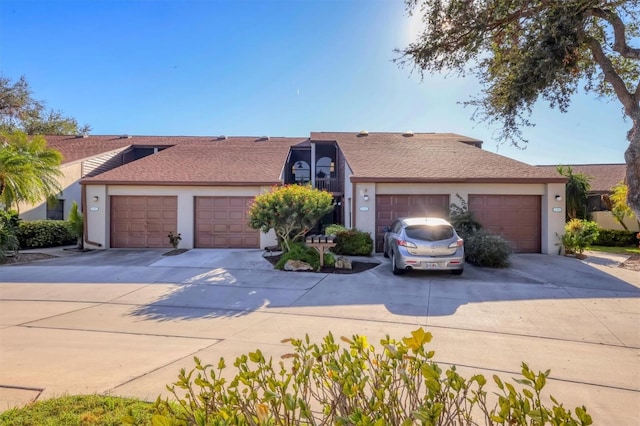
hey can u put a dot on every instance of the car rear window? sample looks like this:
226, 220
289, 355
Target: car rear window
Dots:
429, 233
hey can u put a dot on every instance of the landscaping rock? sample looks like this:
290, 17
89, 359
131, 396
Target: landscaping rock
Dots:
297, 265
343, 263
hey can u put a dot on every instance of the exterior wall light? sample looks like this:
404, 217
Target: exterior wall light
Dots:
558, 198
96, 198
366, 197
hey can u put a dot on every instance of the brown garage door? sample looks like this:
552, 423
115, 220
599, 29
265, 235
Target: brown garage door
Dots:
221, 222
142, 222
515, 217
391, 207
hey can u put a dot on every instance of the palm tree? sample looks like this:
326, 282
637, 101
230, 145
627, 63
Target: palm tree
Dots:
578, 187
29, 171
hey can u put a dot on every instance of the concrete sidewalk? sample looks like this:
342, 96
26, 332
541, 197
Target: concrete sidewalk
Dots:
125, 322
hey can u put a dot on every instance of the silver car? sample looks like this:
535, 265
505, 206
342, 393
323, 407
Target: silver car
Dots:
423, 243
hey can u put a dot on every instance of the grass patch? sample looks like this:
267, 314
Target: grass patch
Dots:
80, 410
629, 250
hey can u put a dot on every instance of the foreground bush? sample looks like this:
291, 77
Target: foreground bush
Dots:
615, 238
44, 233
578, 235
324, 383
299, 251
351, 242
462, 219
485, 249
8, 233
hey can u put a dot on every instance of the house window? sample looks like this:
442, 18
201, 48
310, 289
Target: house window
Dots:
595, 204
301, 171
324, 167
55, 209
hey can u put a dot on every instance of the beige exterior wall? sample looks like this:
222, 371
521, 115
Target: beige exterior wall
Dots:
552, 221
98, 211
71, 192
606, 221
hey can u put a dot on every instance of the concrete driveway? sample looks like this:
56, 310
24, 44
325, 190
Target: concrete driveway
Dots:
125, 321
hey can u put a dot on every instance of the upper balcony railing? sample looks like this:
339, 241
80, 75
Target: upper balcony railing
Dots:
328, 184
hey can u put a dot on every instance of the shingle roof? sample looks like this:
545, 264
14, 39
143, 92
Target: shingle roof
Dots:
429, 157
75, 148
205, 161
602, 176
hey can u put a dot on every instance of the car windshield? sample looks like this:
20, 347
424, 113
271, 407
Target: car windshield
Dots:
429, 233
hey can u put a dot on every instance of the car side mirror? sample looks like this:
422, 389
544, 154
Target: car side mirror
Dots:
386, 229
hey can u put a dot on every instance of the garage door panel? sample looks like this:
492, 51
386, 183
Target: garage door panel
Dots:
221, 222
142, 221
390, 207
517, 218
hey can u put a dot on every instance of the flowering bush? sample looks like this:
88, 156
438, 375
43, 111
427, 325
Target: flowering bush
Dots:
291, 211
326, 384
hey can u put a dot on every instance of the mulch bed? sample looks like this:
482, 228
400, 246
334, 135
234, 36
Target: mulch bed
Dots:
25, 258
356, 266
175, 252
633, 263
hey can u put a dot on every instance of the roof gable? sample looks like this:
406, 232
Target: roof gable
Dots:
602, 177
429, 157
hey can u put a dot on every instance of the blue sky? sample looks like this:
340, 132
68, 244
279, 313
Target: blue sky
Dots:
252, 68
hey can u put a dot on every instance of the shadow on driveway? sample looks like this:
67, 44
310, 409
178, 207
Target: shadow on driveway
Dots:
234, 292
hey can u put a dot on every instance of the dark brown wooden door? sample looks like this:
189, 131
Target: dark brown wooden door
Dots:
142, 221
517, 218
222, 222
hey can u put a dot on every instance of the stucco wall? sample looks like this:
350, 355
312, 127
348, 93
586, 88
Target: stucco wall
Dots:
606, 221
552, 221
98, 218
71, 192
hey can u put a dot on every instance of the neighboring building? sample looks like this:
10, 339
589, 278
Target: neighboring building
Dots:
143, 187
602, 178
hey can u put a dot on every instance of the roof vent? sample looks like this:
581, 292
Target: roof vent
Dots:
363, 133
82, 135
408, 134
125, 136
264, 138
222, 137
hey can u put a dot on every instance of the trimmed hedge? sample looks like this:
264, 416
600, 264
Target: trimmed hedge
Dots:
44, 233
351, 242
486, 249
615, 238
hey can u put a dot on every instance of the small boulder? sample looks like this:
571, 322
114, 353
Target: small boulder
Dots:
343, 263
297, 265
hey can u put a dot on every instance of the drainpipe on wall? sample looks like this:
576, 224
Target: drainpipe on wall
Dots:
83, 201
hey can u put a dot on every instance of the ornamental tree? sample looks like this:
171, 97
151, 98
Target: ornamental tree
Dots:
29, 170
291, 211
577, 192
526, 50
20, 111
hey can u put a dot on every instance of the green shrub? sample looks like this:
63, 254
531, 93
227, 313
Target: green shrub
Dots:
326, 383
578, 235
352, 242
485, 249
299, 251
329, 259
8, 233
463, 220
334, 229
44, 233
76, 224
615, 238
